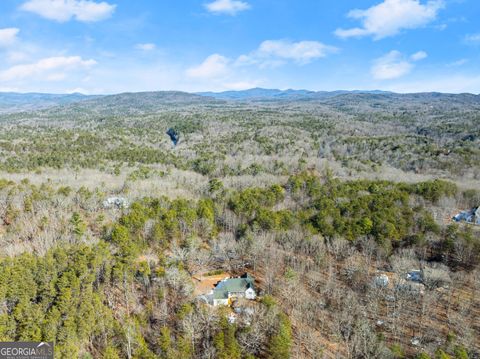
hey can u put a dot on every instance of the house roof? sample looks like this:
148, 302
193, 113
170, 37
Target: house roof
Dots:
470, 216
232, 285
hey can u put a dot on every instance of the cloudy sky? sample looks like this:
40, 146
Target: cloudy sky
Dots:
110, 46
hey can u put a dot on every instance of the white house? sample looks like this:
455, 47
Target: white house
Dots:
232, 288
115, 202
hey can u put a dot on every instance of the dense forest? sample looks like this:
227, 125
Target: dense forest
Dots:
329, 203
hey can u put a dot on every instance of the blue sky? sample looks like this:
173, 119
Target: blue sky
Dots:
111, 46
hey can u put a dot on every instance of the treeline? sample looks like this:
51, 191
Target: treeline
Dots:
353, 210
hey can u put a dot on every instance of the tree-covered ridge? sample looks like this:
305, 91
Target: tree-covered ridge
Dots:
121, 286
421, 134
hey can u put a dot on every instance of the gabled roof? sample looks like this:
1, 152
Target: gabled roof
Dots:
232, 285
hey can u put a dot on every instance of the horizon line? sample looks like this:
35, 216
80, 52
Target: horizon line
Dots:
379, 91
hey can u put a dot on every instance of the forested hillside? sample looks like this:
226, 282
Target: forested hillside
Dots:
333, 204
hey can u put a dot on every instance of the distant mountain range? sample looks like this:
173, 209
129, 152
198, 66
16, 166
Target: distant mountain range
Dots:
149, 102
141, 102
14, 102
274, 94
119, 103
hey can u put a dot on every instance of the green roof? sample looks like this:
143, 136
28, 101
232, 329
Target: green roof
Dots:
232, 285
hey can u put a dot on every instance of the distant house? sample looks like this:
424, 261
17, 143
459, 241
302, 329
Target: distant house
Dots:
471, 216
232, 288
115, 202
415, 275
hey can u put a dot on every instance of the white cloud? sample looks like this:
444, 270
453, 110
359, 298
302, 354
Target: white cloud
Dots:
300, 52
473, 38
420, 55
457, 63
270, 53
219, 73
8, 36
229, 7
65, 10
214, 66
390, 17
277, 52
394, 65
145, 47
391, 66
49, 69
226, 73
